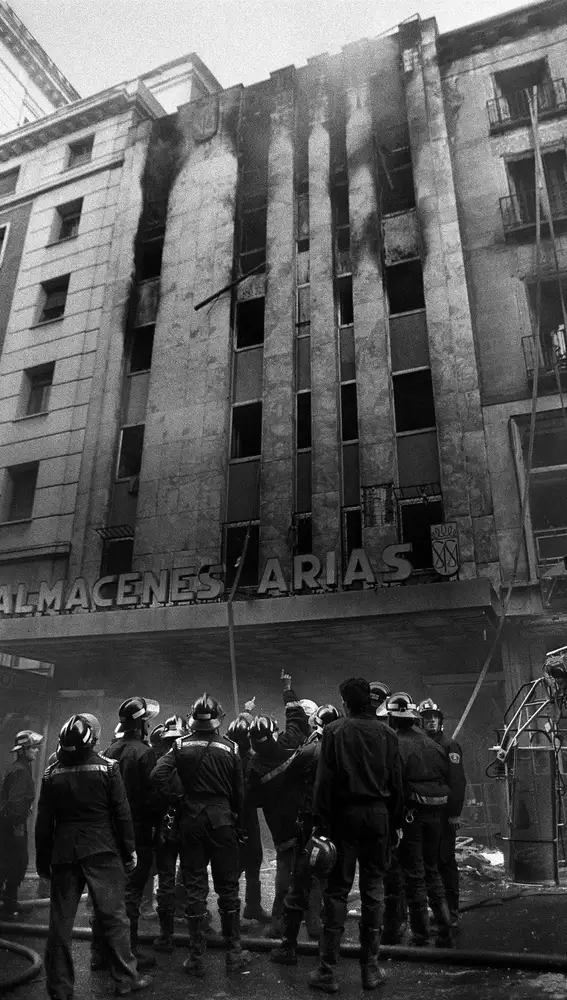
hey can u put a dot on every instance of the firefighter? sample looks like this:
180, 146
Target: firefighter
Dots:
379, 694
16, 800
251, 854
426, 792
203, 774
357, 802
84, 836
301, 897
167, 841
137, 759
432, 719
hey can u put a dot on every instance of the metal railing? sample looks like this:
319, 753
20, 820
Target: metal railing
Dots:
519, 210
548, 357
515, 108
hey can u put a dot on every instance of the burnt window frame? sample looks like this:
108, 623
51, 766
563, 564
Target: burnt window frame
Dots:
138, 334
233, 448
131, 475
421, 428
119, 545
391, 269
229, 574
241, 306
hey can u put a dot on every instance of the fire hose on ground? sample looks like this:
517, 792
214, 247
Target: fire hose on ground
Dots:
531, 961
26, 975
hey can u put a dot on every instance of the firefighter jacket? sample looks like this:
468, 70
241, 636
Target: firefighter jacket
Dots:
203, 771
359, 764
457, 779
17, 794
136, 760
302, 771
425, 769
297, 728
83, 810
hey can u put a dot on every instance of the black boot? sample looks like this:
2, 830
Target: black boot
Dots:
253, 909
143, 960
286, 954
371, 973
195, 964
453, 904
419, 924
323, 978
236, 957
165, 940
444, 936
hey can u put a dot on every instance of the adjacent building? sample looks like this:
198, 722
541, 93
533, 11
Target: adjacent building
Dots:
277, 338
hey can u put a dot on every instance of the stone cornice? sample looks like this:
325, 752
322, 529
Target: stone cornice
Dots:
502, 29
27, 50
83, 114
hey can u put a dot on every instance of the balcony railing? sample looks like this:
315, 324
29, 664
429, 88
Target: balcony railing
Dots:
507, 112
550, 357
519, 210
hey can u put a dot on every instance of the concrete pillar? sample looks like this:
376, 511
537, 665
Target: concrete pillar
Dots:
464, 467
324, 361
278, 446
374, 395
184, 470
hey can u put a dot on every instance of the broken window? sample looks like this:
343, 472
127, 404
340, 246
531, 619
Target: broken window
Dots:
53, 298
515, 87
253, 234
395, 177
303, 420
404, 284
521, 174
250, 322
150, 259
415, 519
20, 485
548, 484
341, 217
413, 400
246, 430
352, 531
345, 306
68, 218
39, 382
142, 349
117, 554
234, 539
303, 531
80, 152
303, 218
130, 453
349, 412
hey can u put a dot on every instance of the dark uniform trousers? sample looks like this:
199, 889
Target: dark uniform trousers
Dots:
361, 835
167, 854
418, 854
304, 891
251, 857
448, 868
136, 881
103, 874
13, 860
204, 840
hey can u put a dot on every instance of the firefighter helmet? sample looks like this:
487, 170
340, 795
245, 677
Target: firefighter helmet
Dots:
174, 728
76, 735
156, 736
431, 716
322, 855
308, 706
26, 739
133, 711
401, 706
379, 694
94, 724
263, 729
324, 715
239, 733
206, 714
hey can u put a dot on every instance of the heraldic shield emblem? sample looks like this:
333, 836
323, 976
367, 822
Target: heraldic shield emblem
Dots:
206, 118
445, 548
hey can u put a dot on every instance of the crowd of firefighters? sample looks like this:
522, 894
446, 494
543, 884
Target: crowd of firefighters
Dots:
377, 782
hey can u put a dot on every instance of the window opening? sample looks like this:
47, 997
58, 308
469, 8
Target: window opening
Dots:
250, 322
8, 181
344, 301
69, 219
151, 259
40, 380
352, 531
80, 152
142, 349
395, 175
404, 284
4, 230
303, 309
131, 447
246, 430
117, 555
304, 420
303, 534
21, 486
513, 84
303, 363
54, 295
413, 401
415, 518
349, 412
234, 537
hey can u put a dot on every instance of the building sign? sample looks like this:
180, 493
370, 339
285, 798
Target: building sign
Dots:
445, 548
205, 583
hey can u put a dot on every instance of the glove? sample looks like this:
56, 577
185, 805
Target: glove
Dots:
249, 706
455, 821
286, 678
131, 864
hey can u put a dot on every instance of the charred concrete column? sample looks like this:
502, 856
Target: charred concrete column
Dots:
375, 416
326, 490
276, 503
183, 476
464, 467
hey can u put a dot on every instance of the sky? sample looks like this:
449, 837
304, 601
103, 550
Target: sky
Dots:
98, 43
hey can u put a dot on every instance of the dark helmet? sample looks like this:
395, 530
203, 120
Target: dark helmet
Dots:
239, 733
156, 736
263, 729
206, 714
174, 728
26, 739
133, 711
76, 735
379, 694
431, 715
324, 715
322, 855
94, 724
401, 706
